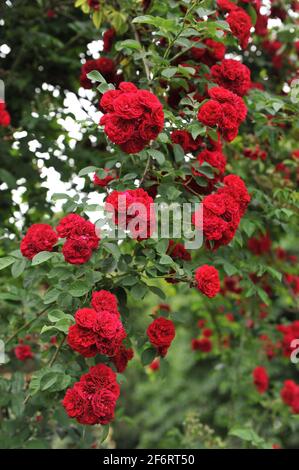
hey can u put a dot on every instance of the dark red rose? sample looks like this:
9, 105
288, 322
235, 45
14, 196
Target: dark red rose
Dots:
260, 379
39, 237
161, 333
207, 280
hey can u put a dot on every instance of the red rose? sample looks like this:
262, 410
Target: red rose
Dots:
133, 209
104, 65
185, 140
134, 117
109, 333
104, 300
290, 395
121, 359
210, 113
240, 25
202, 344
103, 182
178, 251
85, 317
260, 245
233, 75
161, 333
82, 340
207, 280
4, 115
92, 400
39, 237
260, 379
108, 38
23, 352
76, 251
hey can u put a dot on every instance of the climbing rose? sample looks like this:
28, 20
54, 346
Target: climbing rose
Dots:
103, 182
39, 237
178, 251
185, 140
4, 115
133, 117
240, 25
104, 300
226, 110
260, 379
133, 208
92, 400
104, 65
121, 359
207, 280
94, 332
73, 226
202, 344
76, 251
290, 395
233, 75
161, 333
108, 38
23, 352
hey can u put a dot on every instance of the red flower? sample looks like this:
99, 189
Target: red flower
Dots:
178, 251
202, 344
4, 115
92, 400
260, 245
74, 226
94, 332
134, 117
108, 38
216, 159
207, 332
104, 65
39, 237
161, 333
104, 300
94, 4
207, 280
240, 25
290, 395
260, 379
122, 358
76, 251
133, 209
103, 182
226, 110
155, 364
233, 75
23, 352
185, 140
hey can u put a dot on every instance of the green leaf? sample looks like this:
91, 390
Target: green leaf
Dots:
139, 290
51, 295
157, 155
18, 267
6, 261
41, 257
95, 76
88, 169
129, 44
148, 355
169, 72
79, 288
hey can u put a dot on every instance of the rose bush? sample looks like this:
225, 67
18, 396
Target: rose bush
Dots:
123, 104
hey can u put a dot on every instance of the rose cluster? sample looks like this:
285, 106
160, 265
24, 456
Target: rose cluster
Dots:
133, 210
290, 332
92, 400
4, 115
226, 110
223, 210
132, 117
80, 235
232, 75
161, 333
238, 20
260, 379
81, 238
98, 329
